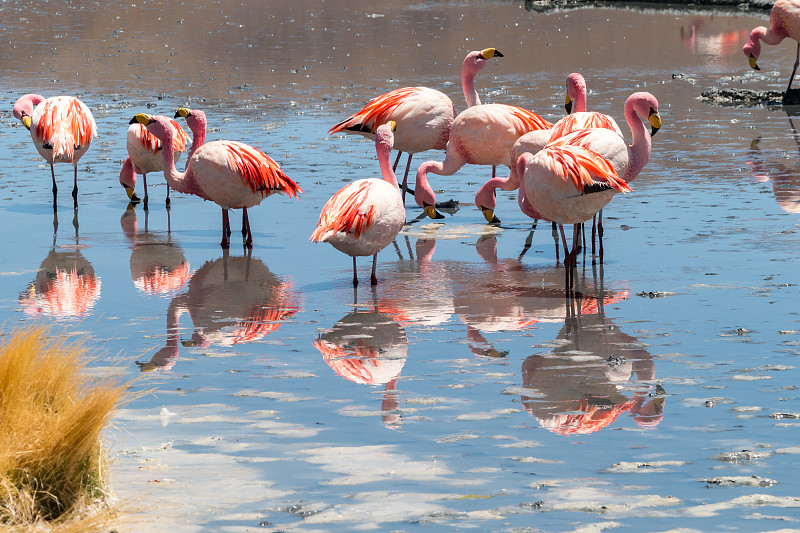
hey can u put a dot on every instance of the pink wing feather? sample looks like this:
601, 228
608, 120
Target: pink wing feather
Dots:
376, 112
258, 170
343, 212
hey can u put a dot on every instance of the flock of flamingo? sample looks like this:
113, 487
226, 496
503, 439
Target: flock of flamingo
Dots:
564, 172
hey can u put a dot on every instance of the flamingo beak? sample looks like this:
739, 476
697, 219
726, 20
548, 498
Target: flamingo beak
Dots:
432, 212
132, 195
182, 112
26, 121
568, 105
753, 64
392, 125
141, 118
655, 121
489, 53
491, 218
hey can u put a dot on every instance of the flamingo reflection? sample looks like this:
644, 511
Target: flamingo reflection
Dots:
368, 347
584, 383
785, 179
700, 38
158, 265
66, 285
230, 301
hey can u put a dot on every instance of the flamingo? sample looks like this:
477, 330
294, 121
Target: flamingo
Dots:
423, 115
577, 118
62, 128
363, 217
575, 176
143, 157
231, 174
784, 21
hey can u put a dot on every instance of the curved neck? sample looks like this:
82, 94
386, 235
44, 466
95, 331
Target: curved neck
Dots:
198, 128
468, 85
384, 150
174, 178
579, 104
423, 193
25, 105
127, 176
640, 146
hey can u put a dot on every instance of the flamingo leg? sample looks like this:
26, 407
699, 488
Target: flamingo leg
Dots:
245, 222
226, 230
55, 187
567, 259
246, 219
144, 180
405, 177
397, 160
794, 70
528, 241
600, 233
594, 231
168, 200
75, 188
355, 274
555, 240
373, 278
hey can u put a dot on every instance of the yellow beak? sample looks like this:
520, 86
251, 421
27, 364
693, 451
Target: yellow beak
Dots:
655, 121
490, 216
753, 64
432, 212
182, 112
488, 53
26, 121
141, 118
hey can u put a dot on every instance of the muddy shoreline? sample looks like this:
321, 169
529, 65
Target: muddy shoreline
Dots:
752, 6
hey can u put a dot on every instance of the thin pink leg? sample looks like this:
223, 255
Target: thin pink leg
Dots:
246, 220
355, 273
374, 279
226, 230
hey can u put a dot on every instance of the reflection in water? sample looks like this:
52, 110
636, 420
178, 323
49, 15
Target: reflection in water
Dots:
581, 383
702, 38
158, 265
66, 286
369, 348
231, 301
785, 180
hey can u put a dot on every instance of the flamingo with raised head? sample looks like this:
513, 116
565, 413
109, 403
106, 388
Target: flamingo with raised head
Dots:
784, 21
423, 115
363, 217
577, 118
144, 157
575, 176
231, 174
62, 128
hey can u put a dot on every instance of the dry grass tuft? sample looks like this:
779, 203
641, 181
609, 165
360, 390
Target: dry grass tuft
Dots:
51, 415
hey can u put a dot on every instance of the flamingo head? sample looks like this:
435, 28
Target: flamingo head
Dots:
646, 105
576, 93
486, 201
384, 134
160, 126
423, 194
23, 108
752, 48
195, 119
476, 60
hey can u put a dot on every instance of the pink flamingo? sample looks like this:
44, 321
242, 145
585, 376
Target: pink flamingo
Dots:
575, 176
784, 21
533, 141
62, 128
423, 115
231, 174
144, 157
363, 217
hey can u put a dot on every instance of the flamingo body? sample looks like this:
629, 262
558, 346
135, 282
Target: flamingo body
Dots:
144, 155
784, 21
363, 217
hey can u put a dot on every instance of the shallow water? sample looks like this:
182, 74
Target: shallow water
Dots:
465, 391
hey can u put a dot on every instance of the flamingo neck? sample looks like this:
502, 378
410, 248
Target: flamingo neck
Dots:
175, 179
579, 103
127, 176
384, 150
423, 193
468, 85
25, 104
639, 149
198, 127
485, 198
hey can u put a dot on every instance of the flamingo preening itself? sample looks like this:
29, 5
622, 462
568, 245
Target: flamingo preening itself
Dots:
577, 118
784, 21
423, 115
363, 217
144, 156
62, 128
231, 174
575, 176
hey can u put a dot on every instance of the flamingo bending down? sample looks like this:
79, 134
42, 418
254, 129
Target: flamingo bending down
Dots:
231, 174
363, 217
574, 176
784, 21
532, 142
62, 128
423, 115
144, 157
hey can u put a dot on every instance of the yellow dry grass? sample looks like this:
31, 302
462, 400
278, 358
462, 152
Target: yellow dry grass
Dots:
51, 415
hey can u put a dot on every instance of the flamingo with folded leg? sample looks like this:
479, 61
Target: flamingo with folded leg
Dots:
423, 115
62, 129
231, 174
363, 217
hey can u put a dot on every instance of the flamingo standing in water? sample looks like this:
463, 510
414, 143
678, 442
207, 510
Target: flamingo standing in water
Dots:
144, 157
784, 21
231, 174
62, 128
363, 217
423, 115
575, 176
577, 118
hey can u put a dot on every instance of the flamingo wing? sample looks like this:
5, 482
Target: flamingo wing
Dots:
64, 123
151, 143
347, 211
525, 120
579, 121
587, 170
376, 112
258, 170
